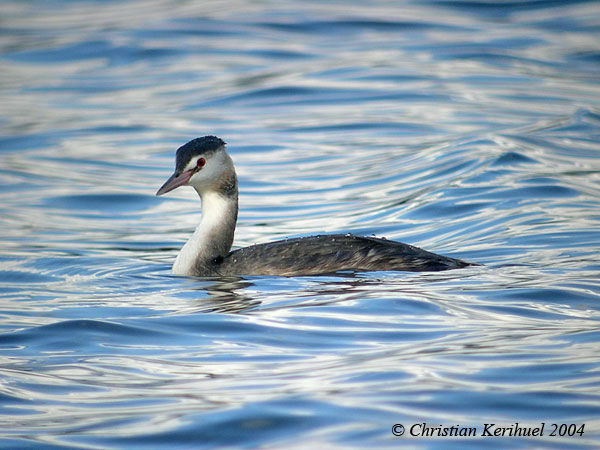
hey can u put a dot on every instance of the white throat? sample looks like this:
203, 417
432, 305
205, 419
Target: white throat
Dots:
213, 235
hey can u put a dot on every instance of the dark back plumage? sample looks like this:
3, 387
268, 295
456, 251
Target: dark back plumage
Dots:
330, 253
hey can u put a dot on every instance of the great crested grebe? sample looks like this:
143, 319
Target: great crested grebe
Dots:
204, 164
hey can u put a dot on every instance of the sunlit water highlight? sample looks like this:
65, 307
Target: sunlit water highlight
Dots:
467, 128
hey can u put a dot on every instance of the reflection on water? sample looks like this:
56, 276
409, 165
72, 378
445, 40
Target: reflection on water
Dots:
468, 128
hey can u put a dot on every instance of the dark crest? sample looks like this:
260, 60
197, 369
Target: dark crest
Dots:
199, 146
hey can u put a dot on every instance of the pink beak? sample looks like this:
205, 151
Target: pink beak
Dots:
175, 181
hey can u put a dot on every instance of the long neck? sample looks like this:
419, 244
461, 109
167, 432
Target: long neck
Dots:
213, 236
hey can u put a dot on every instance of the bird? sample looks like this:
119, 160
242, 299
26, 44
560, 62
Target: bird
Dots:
204, 164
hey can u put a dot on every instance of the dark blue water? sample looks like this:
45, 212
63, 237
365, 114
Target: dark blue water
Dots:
471, 129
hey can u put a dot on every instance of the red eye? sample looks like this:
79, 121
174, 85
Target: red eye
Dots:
200, 163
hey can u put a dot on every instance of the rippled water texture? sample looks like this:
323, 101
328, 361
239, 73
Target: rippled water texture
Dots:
467, 128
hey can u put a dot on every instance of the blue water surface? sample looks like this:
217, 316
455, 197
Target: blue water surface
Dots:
471, 129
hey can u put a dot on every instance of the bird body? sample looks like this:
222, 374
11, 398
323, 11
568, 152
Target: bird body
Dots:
204, 164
